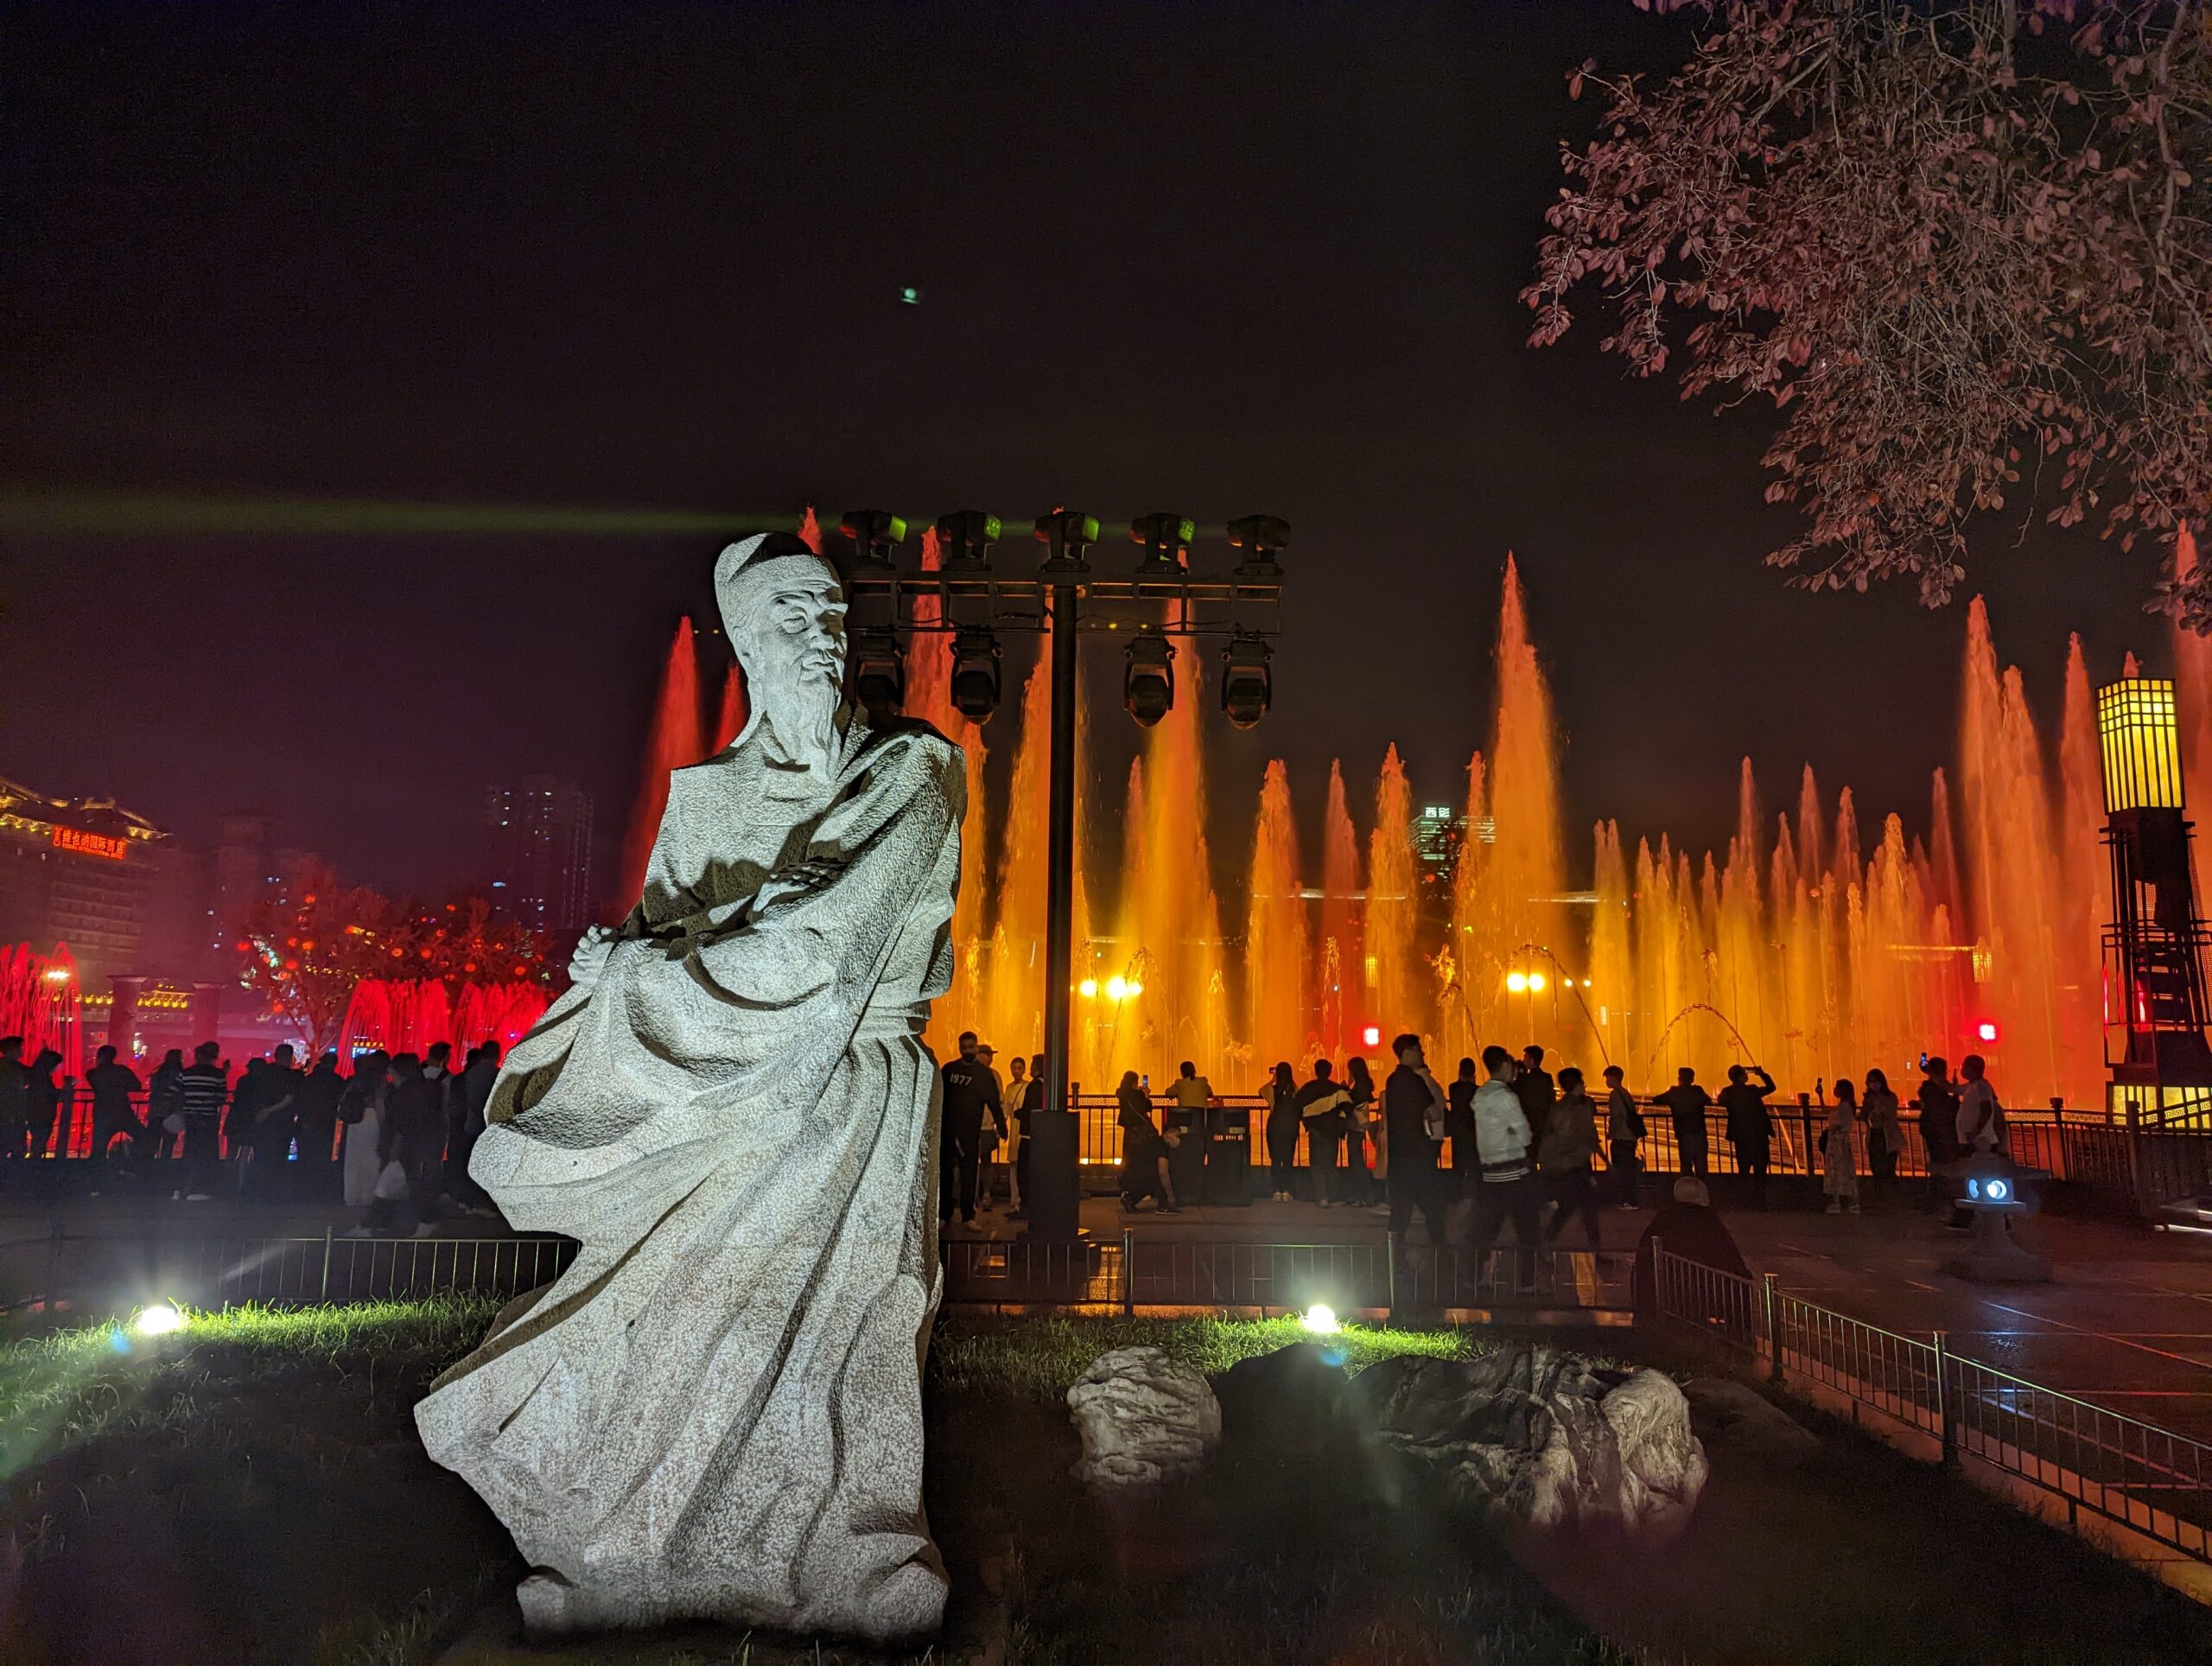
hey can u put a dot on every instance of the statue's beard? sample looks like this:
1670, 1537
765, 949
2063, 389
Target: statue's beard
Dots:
799, 703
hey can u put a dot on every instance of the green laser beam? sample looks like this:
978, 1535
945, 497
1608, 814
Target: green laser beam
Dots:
57, 513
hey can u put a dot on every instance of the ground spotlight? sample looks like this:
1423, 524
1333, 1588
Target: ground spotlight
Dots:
976, 674
160, 1319
878, 671
1247, 684
874, 533
1259, 536
1167, 540
965, 537
1321, 1320
1149, 686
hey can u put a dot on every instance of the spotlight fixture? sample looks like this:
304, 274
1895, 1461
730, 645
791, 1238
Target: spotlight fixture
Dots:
874, 533
1321, 1320
1260, 536
966, 537
1247, 684
1167, 540
1149, 686
976, 674
878, 671
1067, 533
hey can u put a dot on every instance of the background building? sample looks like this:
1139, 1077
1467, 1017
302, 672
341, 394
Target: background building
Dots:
537, 853
83, 872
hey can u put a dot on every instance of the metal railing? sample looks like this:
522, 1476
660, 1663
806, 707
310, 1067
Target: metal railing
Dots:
62, 1271
2150, 1480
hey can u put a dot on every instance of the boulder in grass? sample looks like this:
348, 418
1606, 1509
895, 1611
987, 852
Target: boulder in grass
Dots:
1286, 1400
1538, 1436
1733, 1419
1144, 1419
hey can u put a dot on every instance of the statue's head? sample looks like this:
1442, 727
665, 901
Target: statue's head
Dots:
784, 610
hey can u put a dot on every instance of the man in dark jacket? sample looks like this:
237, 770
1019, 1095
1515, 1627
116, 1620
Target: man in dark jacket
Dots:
1459, 1128
15, 1097
414, 1136
1320, 1106
1412, 1119
46, 1097
1686, 1104
1534, 1087
971, 1092
1939, 1128
165, 1099
1751, 1125
318, 1094
112, 1085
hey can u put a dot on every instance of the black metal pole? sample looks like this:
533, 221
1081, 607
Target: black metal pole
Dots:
1059, 849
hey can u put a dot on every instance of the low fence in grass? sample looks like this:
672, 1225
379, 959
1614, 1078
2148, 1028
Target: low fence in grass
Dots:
68, 1271
2150, 1481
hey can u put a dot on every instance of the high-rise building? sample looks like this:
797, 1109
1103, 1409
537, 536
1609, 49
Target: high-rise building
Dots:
537, 852
252, 863
82, 872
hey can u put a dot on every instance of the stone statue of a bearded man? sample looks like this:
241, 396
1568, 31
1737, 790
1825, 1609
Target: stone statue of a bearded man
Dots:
716, 1413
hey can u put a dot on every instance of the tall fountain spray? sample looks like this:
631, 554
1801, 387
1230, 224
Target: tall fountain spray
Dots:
1394, 994
729, 718
1340, 948
1276, 952
676, 741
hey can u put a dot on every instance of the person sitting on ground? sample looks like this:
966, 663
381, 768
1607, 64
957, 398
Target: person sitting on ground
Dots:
1688, 1228
1144, 1154
1686, 1102
1564, 1151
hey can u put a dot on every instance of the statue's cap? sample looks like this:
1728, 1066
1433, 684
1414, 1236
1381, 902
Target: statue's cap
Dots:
740, 561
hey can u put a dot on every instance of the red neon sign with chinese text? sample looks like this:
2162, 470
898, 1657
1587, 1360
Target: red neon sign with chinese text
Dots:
90, 844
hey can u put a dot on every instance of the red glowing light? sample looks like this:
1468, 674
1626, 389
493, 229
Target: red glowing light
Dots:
1372, 1036
1984, 1031
90, 844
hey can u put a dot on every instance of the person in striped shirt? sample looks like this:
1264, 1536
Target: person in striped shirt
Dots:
202, 1092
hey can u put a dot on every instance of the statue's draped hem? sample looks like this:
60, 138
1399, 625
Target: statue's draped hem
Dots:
715, 1412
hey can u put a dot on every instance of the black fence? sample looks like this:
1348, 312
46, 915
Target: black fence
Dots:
66, 1272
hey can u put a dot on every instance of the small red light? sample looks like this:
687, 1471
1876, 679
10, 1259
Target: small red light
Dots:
1986, 1031
1371, 1036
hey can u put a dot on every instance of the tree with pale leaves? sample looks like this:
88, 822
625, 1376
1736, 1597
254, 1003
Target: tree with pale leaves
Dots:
1965, 246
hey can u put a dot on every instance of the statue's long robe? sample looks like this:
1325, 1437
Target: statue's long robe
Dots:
716, 1411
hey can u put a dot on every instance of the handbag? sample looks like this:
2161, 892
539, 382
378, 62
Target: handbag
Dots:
391, 1183
173, 1123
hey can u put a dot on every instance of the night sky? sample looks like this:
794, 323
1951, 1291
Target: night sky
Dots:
651, 257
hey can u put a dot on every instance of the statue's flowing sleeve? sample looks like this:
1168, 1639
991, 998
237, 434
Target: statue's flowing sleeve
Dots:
737, 1010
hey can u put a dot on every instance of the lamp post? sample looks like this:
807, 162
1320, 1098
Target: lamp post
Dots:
980, 606
2155, 998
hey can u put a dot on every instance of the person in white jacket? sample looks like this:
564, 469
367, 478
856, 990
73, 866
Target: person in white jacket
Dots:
1509, 1187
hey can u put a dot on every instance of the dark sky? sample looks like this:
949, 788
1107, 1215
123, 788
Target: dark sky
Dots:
1212, 259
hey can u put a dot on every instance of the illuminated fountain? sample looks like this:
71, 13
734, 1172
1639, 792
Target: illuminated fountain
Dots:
1813, 944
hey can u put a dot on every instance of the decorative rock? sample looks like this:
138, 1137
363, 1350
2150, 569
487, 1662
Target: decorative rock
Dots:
1538, 1435
1288, 1399
1144, 1419
1731, 1417
716, 1412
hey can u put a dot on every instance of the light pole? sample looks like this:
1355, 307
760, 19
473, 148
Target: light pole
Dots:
979, 605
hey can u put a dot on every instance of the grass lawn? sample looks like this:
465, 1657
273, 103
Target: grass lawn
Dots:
251, 1489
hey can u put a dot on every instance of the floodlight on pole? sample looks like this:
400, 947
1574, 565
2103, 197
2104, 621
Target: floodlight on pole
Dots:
1247, 684
1148, 684
976, 674
874, 532
1262, 537
878, 671
966, 537
1167, 541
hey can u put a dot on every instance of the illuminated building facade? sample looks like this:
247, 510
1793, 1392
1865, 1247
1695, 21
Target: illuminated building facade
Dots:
537, 853
83, 872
